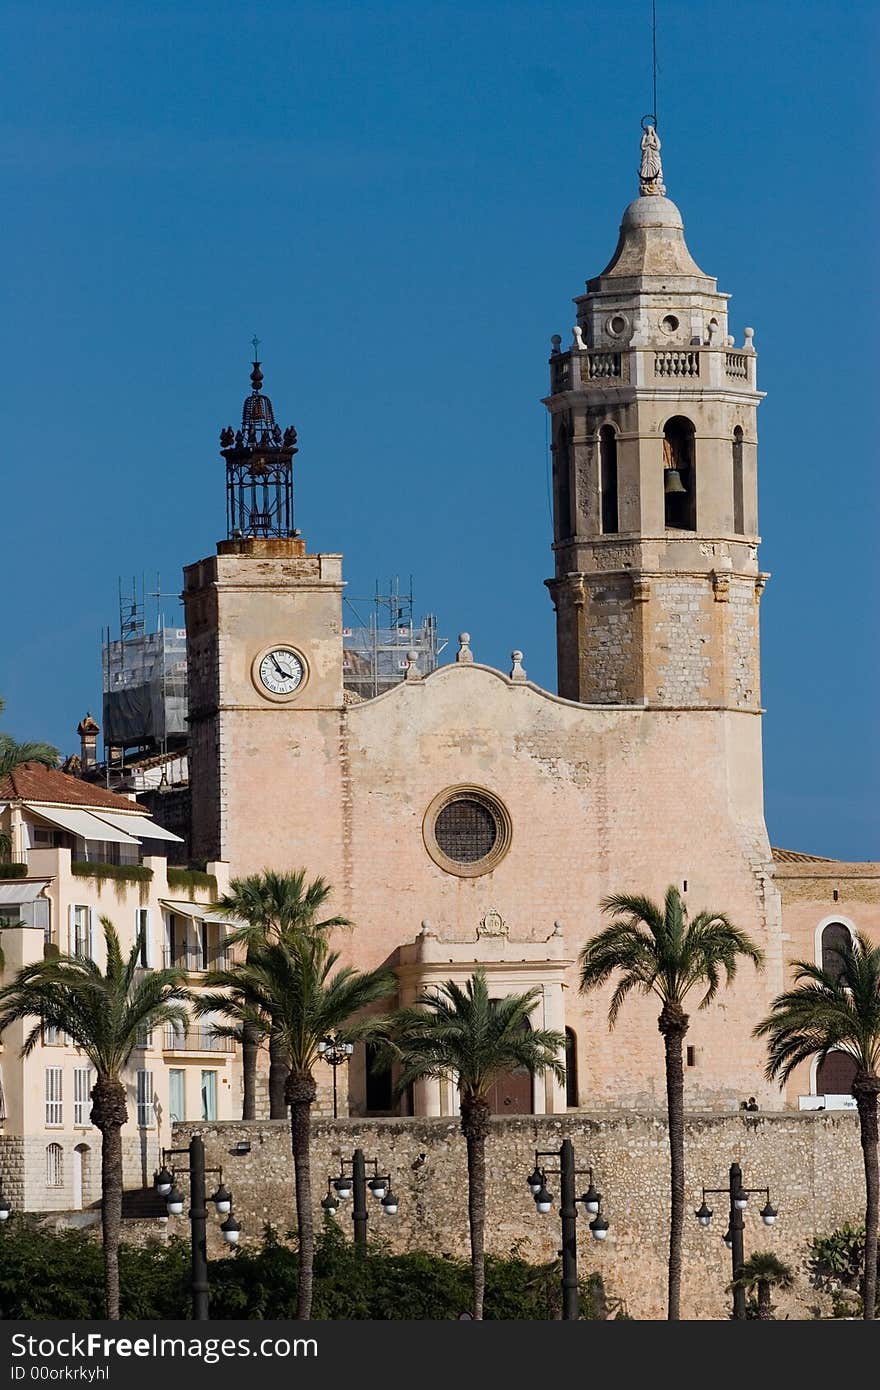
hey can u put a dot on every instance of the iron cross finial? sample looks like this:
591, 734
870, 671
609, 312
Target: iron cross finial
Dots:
256, 346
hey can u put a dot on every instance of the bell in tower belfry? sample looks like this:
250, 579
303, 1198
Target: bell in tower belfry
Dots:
653, 415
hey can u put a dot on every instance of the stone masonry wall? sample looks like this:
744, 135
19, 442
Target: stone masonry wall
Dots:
811, 1163
682, 635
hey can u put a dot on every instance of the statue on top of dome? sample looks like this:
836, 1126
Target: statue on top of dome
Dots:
651, 169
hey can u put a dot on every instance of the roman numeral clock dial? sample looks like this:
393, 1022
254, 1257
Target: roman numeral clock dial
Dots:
279, 672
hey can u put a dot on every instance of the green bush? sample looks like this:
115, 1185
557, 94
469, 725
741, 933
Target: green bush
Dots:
835, 1263
191, 879
59, 1274
128, 873
11, 870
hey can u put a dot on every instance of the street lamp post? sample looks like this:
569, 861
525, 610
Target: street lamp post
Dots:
198, 1213
591, 1200
334, 1052
734, 1235
340, 1188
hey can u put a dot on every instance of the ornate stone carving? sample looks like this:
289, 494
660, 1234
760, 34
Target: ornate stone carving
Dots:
517, 671
641, 589
721, 587
492, 924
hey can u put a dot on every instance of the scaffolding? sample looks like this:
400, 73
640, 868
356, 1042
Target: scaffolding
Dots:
144, 678
376, 646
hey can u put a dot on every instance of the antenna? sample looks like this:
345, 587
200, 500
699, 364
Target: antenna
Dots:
654, 58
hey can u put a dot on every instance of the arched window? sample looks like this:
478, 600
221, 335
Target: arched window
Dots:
679, 474
379, 1097
571, 1069
608, 480
562, 481
835, 940
739, 526
834, 1076
54, 1166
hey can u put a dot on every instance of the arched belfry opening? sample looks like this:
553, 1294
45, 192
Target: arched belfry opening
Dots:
562, 481
679, 474
738, 484
608, 508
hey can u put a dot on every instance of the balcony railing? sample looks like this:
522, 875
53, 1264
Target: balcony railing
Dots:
196, 1040
676, 362
601, 366
736, 365
194, 960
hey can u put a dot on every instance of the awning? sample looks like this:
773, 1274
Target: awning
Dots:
201, 912
82, 823
22, 890
136, 825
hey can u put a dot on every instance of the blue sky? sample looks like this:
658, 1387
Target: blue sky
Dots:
402, 200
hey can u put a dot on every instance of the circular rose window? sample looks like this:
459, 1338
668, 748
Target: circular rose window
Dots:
467, 831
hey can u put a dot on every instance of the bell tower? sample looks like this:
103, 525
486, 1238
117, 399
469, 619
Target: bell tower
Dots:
653, 413
264, 661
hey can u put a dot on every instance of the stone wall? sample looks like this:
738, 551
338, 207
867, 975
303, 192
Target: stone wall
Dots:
811, 1162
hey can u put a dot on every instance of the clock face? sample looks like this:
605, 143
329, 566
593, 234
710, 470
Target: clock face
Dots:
281, 671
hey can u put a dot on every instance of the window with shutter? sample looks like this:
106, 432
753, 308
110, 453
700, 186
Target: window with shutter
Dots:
142, 935
82, 1085
145, 1113
54, 1103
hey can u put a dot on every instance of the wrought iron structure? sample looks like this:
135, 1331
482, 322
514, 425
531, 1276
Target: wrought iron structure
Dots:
592, 1204
259, 468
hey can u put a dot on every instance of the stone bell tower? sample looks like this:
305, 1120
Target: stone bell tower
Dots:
264, 662
653, 412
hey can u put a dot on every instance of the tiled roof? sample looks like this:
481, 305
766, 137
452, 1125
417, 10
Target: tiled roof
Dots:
34, 782
794, 856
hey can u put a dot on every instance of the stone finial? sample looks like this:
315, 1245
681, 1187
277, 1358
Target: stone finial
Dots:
464, 652
749, 337
557, 930
651, 168
713, 334
555, 345
412, 666
427, 929
578, 334
517, 671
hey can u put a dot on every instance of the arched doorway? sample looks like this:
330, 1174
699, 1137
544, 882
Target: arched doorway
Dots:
571, 1070
81, 1176
834, 1076
512, 1092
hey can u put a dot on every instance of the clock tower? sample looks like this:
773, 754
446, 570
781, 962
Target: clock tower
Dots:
264, 656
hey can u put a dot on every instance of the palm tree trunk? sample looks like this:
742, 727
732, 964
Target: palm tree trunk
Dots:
865, 1088
764, 1300
673, 1024
250, 1041
475, 1127
108, 1115
300, 1093
278, 1073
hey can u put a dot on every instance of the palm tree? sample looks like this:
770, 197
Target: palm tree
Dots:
838, 1009
761, 1272
270, 904
105, 1014
462, 1033
656, 950
290, 983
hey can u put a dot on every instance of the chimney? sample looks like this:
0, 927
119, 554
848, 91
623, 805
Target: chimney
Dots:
88, 732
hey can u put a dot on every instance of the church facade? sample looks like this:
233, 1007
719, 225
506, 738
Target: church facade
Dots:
472, 818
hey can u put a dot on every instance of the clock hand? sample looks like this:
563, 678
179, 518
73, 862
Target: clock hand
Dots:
280, 669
